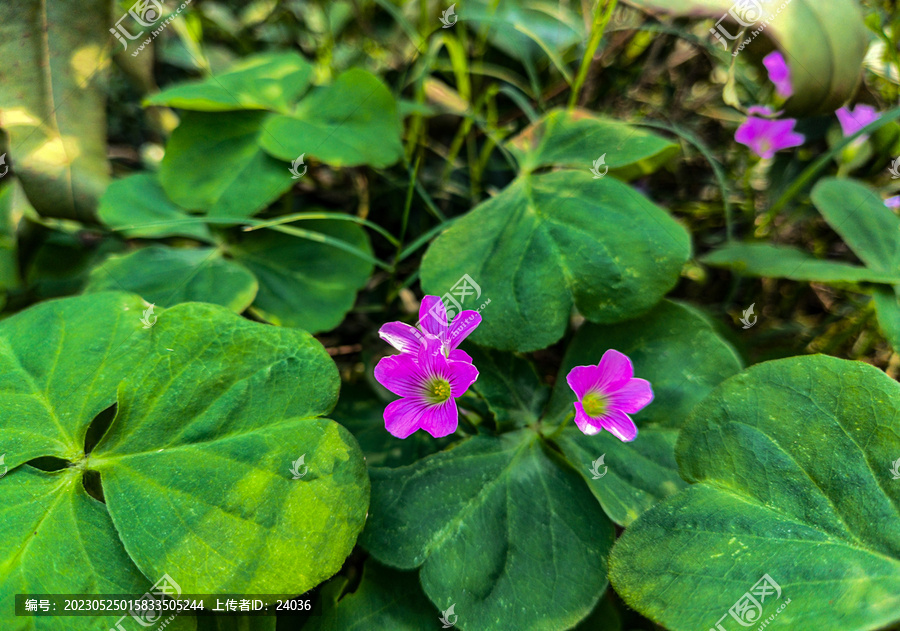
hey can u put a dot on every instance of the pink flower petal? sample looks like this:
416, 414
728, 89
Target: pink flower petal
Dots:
433, 317
853, 120
402, 336
632, 397
463, 325
582, 379
615, 370
457, 355
404, 416
401, 375
441, 420
461, 375
584, 422
779, 73
619, 425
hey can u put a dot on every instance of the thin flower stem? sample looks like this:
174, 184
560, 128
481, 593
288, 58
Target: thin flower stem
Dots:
562, 425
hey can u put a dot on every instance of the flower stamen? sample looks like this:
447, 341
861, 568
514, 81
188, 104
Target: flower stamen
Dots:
594, 404
438, 390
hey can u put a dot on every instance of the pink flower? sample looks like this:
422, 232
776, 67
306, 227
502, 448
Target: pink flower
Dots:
857, 118
892, 202
765, 136
607, 393
432, 324
429, 384
779, 73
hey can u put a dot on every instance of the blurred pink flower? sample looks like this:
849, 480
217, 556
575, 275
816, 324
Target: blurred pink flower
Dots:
857, 118
765, 136
892, 202
779, 73
607, 393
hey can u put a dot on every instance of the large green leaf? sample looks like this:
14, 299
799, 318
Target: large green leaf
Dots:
53, 101
791, 464
213, 413
56, 539
350, 122
385, 599
302, 282
549, 241
138, 207
859, 215
824, 43
271, 81
214, 164
167, 276
681, 355
502, 529
776, 261
562, 138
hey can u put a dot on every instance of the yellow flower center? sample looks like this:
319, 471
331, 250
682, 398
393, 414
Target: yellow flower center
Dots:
594, 404
438, 390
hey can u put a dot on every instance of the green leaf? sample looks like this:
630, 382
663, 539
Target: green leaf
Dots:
679, 353
824, 43
301, 282
887, 309
200, 402
214, 164
10, 277
56, 539
502, 529
791, 462
859, 215
563, 138
519, 28
777, 261
167, 276
214, 413
272, 81
48, 401
351, 122
138, 207
510, 385
385, 599
538, 247
53, 102
62, 264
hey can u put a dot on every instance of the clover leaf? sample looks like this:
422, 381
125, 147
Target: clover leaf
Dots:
195, 468
791, 465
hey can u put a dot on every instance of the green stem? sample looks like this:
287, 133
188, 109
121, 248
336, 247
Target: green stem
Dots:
601, 19
561, 426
